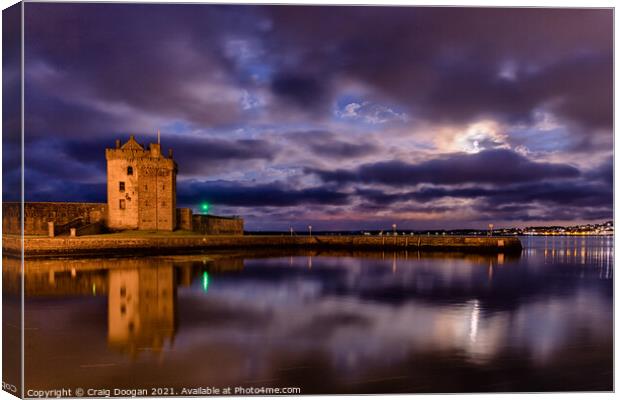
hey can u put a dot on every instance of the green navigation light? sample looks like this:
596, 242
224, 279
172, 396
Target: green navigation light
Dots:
205, 281
204, 207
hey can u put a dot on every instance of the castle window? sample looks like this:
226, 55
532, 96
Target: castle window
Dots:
121, 204
163, 204
146, 187
121, 186
130, 170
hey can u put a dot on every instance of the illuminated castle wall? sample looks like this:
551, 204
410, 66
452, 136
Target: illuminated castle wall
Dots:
141, 187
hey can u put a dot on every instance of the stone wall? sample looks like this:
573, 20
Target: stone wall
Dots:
184, 219
141, 187
208, 224
37, 215
90, 229
212, 225
11, 218
157, 197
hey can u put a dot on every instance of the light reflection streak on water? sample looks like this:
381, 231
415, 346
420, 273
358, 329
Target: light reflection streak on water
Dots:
594, 251
473, 327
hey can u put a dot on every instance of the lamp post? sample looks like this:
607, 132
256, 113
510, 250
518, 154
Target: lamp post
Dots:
394, 229
310, 229
490, 229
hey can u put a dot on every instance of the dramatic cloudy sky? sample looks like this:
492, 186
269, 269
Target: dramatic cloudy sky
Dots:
345, 118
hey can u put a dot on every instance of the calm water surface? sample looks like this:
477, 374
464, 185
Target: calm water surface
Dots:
326, 322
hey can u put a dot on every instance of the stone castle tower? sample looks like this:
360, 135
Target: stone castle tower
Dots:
141, 187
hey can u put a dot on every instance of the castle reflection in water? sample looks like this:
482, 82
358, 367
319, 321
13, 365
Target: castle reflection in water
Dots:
141, 292
141, 308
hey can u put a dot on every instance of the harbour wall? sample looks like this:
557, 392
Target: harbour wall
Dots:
93, 245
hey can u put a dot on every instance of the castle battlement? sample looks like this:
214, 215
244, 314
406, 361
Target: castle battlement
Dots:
134, 150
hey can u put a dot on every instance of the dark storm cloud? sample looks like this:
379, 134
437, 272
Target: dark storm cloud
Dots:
528, 202
587, 197
201, 154
329, 144
67, 191
580, 88
378, 202
603, 172
303, 90
51, 117
152, 59
341, 149
447, 63
59, 189
261, 195
54, 171
565, 193
523, 212
490, 166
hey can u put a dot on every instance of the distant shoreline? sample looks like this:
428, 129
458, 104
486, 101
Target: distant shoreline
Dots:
162, 243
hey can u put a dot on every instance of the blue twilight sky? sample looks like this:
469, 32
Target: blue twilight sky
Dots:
342, 117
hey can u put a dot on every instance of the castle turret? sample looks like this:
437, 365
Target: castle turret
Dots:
141, 187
